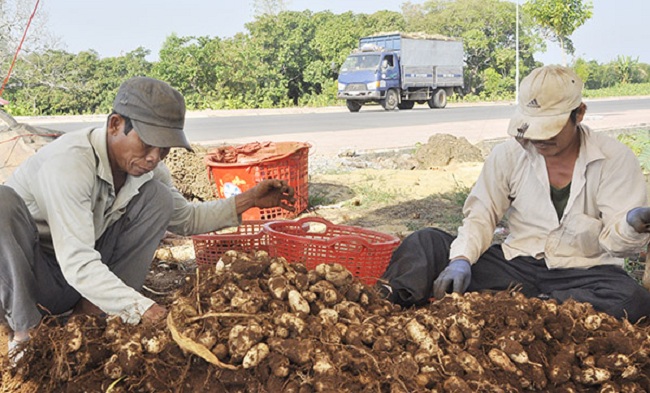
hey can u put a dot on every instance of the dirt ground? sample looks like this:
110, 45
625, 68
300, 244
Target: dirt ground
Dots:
252, 323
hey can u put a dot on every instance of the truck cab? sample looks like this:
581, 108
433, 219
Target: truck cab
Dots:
368, 76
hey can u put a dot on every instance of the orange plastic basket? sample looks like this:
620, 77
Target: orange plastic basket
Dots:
280, 160
313, 240
247, 237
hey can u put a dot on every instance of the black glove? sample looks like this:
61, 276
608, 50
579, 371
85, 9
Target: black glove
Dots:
639, 219
458, 273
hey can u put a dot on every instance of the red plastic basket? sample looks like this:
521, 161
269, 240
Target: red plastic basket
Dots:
313, 240
280, 160
247, 237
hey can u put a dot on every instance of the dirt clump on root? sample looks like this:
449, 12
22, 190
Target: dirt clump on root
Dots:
252, 323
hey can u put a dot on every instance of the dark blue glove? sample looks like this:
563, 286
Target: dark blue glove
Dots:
457, 274
639, 219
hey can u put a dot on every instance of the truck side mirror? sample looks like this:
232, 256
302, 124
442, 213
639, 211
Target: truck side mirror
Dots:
384, 64
334, 67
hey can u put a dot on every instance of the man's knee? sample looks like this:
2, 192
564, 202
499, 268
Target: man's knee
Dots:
9, 201
156, 197
635, 303
428, 236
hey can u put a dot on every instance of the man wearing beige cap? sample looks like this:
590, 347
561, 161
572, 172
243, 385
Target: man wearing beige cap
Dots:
82, 218
573, 202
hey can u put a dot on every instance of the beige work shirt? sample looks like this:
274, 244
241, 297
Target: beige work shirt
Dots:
607, 182
68, 188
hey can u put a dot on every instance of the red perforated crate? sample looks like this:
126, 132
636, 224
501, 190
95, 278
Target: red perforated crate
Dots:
271, 160
313, 240
247, 237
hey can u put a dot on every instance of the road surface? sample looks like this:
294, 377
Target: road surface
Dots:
333, 129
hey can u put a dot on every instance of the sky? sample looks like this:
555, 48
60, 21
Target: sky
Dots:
112, 28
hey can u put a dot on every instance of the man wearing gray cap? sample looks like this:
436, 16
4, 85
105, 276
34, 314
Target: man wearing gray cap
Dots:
82, 218
572, 199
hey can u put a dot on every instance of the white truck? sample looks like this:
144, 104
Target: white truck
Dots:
398, 70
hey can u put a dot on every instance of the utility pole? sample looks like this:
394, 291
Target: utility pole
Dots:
517, 55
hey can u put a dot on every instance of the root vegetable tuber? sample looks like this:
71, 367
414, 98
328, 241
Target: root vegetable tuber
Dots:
514, 350
112, 368
75, 337
297, 303
592, 376
469, 363
242, 338
328, 316
420, 336
454, 334
327, 292
279, 287
255, 355
502, 360
592, 322
323, 365
291, 322
456, 384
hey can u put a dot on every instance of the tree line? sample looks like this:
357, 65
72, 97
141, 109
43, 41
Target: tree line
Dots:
291, 58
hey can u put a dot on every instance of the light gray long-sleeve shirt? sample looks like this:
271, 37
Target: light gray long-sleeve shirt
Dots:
68, 188
607, 182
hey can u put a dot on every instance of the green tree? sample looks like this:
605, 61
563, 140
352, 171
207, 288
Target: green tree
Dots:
269, 7
626, 68
558, 19
188, 64
283, 42
58, 82
487, 28
334, 38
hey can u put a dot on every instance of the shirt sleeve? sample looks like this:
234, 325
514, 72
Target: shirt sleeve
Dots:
64, 197
485, 206
193, 218
621, 189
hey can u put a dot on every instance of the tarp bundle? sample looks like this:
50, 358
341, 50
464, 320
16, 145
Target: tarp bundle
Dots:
18, 143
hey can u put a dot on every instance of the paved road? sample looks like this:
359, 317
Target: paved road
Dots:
331, 130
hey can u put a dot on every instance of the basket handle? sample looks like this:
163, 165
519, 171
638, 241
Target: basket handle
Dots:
337, 239
216, 187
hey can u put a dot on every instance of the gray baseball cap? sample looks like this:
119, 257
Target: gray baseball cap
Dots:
156, 110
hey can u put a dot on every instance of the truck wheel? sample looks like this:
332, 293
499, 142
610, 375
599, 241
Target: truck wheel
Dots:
390, 101
406, 105
353, 106
439, 99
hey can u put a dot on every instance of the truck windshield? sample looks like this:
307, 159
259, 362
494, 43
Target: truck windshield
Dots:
360, 62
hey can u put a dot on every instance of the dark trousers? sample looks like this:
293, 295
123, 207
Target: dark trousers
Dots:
421, 257
31, 281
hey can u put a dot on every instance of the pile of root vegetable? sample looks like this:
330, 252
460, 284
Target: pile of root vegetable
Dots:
252, 323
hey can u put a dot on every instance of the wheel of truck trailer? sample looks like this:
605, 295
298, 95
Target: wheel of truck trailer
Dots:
406, 105
390, 101
353, 106
7, 118
439, 99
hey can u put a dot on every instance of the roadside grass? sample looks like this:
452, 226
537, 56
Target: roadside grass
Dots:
620, 90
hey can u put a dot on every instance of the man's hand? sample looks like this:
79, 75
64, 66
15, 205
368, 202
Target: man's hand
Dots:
267, 193
457, 274
639, 219
154, 314
274, 193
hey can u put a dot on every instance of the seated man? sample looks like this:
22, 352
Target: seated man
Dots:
571, 197
83, 217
